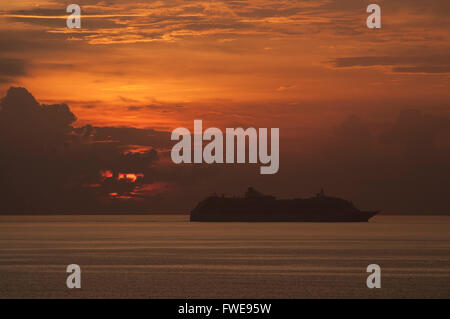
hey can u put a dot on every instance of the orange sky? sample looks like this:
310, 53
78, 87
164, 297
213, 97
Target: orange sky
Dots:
363, 113
164, 63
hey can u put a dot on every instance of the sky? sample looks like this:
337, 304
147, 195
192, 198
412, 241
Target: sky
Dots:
362, 112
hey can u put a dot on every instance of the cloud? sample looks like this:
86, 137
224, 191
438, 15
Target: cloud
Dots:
11, 68
129, 136
168, 21
135, 108
423, 69
47, 165
416, 133
232, 83
402, 64
401, 164
285, 88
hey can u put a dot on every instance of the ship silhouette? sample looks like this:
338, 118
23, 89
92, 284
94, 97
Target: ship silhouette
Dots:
257, 207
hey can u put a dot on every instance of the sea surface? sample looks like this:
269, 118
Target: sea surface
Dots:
161, 256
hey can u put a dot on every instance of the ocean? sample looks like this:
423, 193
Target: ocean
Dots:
166, 256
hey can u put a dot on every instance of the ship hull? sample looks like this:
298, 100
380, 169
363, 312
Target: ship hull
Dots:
365, 217
268, 209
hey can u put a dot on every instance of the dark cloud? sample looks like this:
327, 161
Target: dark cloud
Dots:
134, 108
415, 133
404, 64
435, 7
130, 136
139, 21
391, 60
49, 166
55, 17
30, 42
164, 108
423, 69
399, 165
88, 106
10, 68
